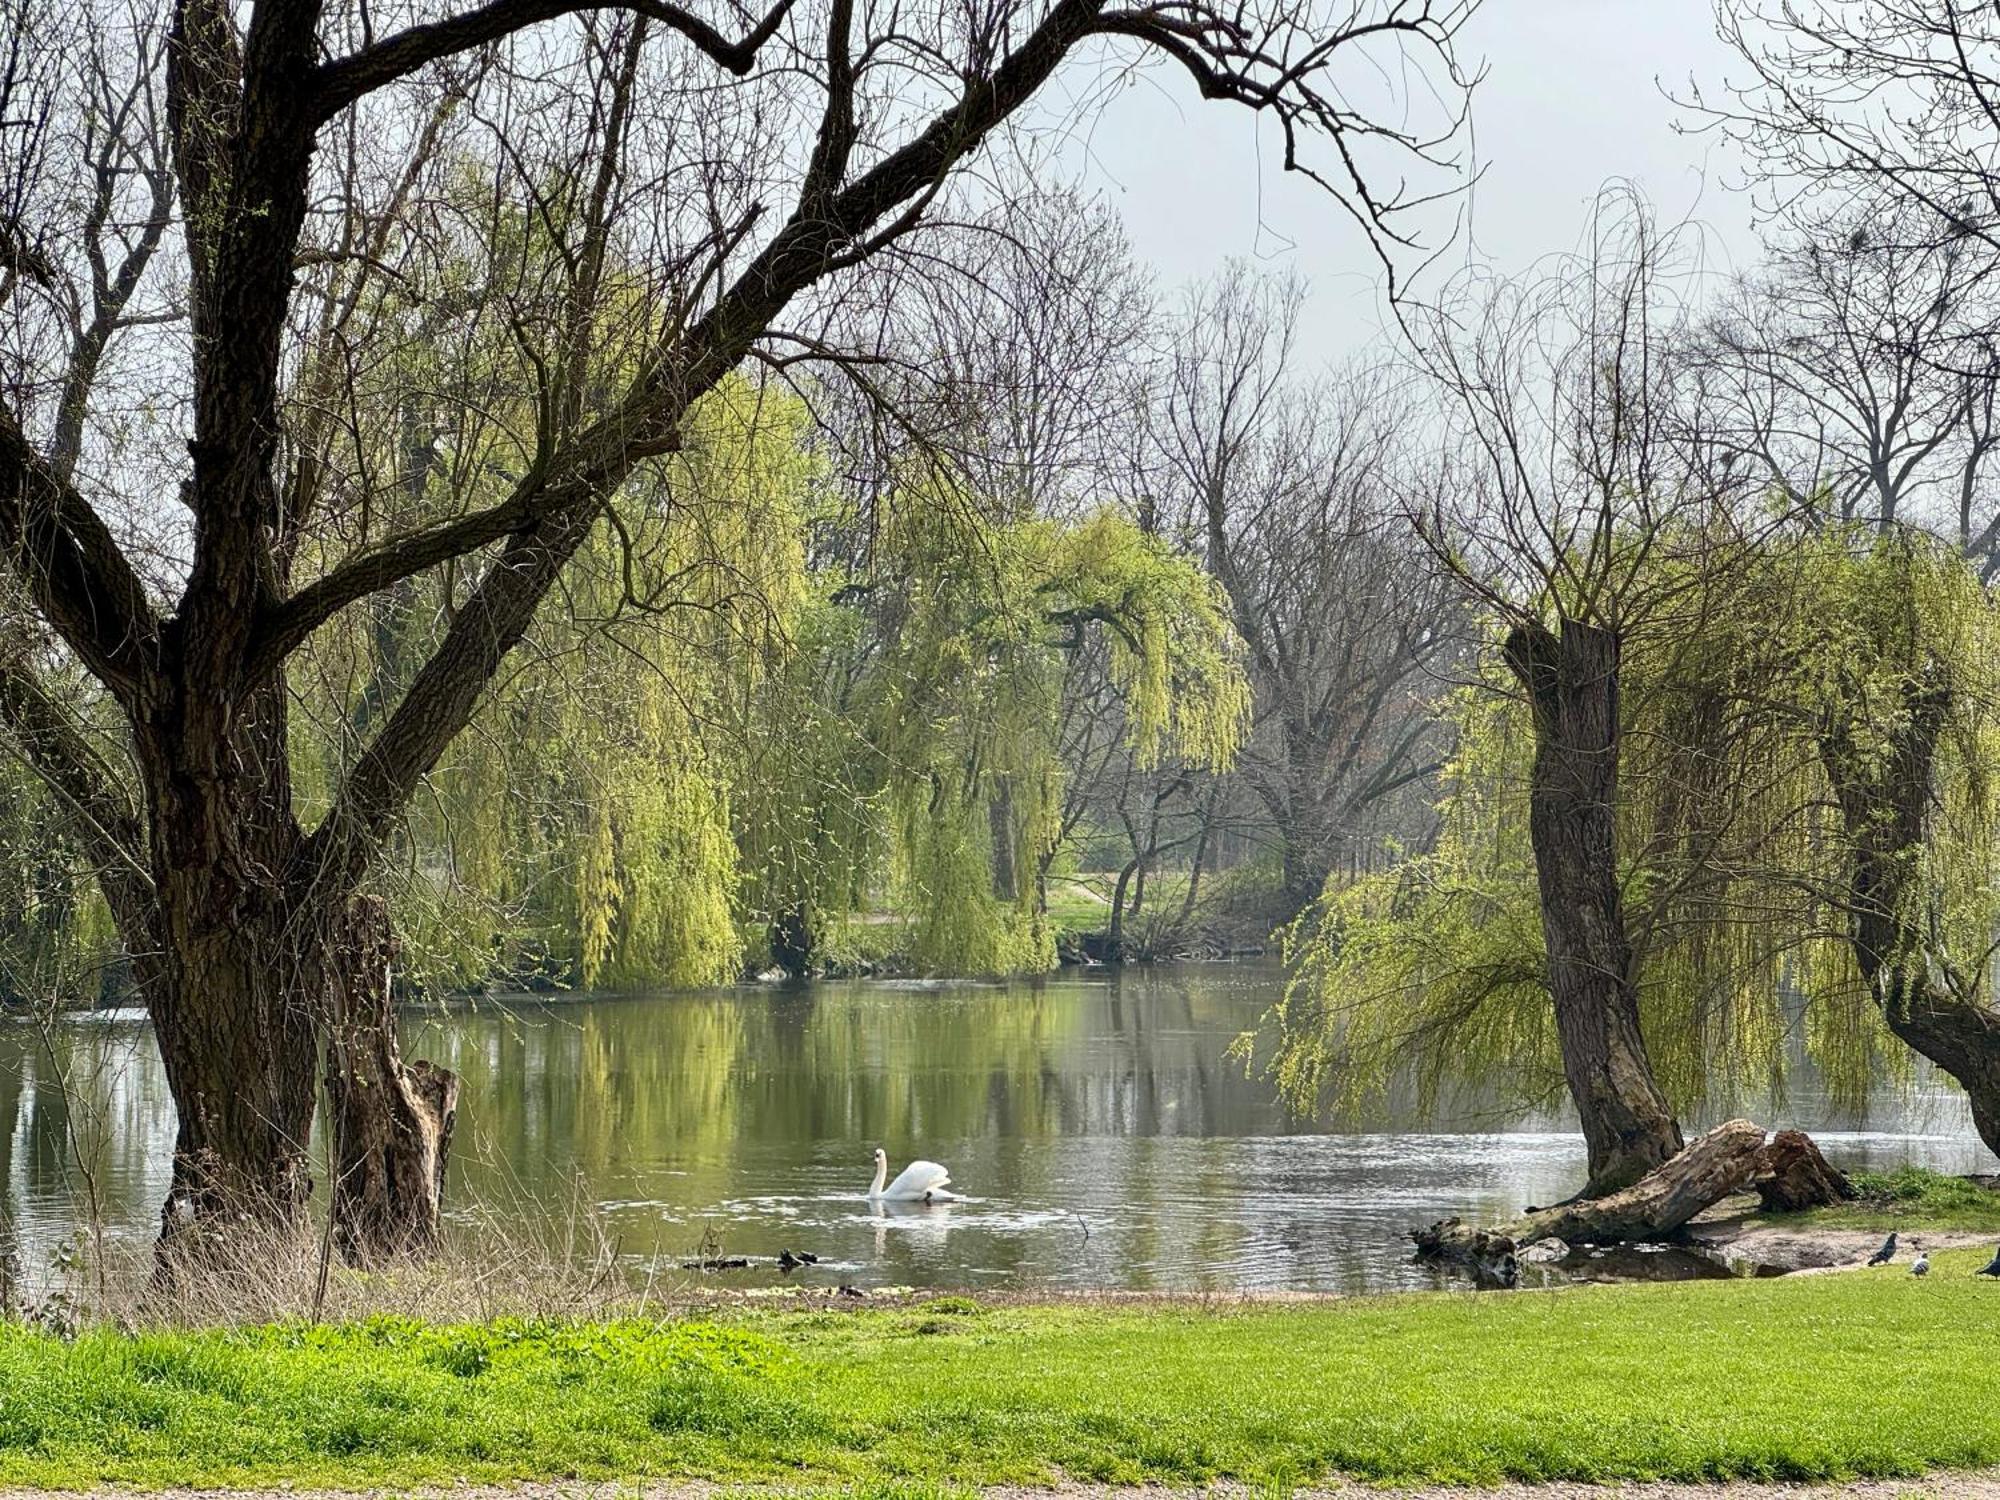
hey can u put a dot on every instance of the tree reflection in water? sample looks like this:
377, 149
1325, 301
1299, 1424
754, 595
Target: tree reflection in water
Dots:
1102, 1138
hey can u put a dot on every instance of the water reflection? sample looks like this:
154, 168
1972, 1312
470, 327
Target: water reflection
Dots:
1101, 1137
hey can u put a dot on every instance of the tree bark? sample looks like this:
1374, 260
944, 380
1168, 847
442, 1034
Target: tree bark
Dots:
1000, 829
391, 1124
1571, 678
1305, 857
793, 945
1938, 1007
1114, 938
232, 977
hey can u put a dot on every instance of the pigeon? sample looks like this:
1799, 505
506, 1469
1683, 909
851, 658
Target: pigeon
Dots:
1992, 1267
1921, 1266
1887, 1253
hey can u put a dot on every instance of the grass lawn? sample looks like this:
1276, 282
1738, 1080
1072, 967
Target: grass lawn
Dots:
1862, 1373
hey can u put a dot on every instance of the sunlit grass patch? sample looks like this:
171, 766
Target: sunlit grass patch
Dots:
1911, 1198
1869, 1373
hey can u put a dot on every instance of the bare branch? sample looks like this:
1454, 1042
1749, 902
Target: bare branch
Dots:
342, 82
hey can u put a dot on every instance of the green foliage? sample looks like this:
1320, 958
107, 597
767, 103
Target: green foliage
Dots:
1914, 1197
1734, 859
587, 814
711, 734
757, 701
1645, 1382
57, 942
916, 732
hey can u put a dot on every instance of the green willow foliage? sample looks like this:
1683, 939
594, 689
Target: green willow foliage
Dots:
708, 735
909, 750
1430, 979
987, 625
715, 736
58, 945
712, 734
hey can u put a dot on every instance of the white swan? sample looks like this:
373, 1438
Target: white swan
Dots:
919, 1182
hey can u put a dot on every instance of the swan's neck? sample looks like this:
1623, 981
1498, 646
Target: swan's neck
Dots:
881, 1175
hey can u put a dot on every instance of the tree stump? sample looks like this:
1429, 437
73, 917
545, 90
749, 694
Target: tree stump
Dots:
391, 1124
1492, 1257
1654, 1207
1795, 1176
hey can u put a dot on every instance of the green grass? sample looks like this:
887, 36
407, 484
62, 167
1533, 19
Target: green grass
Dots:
1909, 1198
1866, 1373
1079, 903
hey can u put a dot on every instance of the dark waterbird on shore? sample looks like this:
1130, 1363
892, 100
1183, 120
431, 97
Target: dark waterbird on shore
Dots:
1991, 1268
1887, 1253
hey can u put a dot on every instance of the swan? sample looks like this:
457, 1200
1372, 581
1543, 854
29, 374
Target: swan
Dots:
919, 1182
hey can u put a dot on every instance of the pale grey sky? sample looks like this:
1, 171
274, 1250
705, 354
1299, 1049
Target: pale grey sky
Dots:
1572, 97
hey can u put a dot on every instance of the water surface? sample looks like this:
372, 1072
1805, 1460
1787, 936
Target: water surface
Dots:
1101, 1136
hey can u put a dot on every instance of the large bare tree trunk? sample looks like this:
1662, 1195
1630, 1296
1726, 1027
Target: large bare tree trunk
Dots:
246, 966
230, 976
391, 1123
1571, 677
1935, 1005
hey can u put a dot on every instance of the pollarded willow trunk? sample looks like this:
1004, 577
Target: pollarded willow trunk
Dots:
231, 977
248, 967
1571, 677
391, 1123
1935, 1005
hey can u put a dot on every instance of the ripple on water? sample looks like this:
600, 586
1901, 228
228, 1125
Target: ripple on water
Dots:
1102, 1135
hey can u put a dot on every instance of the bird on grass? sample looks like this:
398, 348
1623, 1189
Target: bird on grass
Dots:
1921, 1266
1992, 1267
1887, 1253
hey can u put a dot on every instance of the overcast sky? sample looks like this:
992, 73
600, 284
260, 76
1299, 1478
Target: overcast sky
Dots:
1572, 97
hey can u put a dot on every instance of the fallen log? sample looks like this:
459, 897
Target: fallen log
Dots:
1795, 1176
1654, 1207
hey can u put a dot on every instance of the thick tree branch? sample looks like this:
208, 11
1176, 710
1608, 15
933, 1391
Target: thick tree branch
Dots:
342, 82
66, 557
243, 145
447, 688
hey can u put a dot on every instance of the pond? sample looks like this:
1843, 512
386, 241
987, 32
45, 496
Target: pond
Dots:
1099, 1133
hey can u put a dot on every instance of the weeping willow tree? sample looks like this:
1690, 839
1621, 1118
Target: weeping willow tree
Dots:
58, 944
1808, 862
925, 762
584, 825
715, 750
1905, 713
